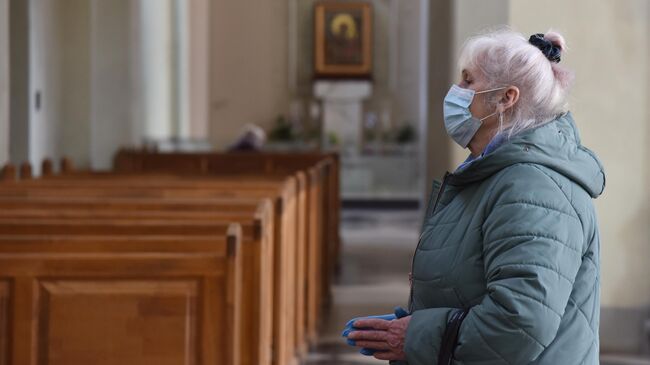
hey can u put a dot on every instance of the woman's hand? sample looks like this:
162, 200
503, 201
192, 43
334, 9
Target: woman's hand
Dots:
387, 337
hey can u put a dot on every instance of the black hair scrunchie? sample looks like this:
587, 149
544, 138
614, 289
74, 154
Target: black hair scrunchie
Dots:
549, 50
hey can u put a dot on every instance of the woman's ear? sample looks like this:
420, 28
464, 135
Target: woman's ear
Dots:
510, 97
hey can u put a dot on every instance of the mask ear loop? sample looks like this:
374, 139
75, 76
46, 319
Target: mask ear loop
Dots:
490, 90
500, 122
496, 111
491, 115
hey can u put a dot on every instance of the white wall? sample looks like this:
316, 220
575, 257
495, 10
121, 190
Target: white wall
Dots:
4, 81
59, 69
45, 79
440, 56
75, 70
411, 80
107, 72
248, 51
19, 101
608, 49
408, 58
111, 84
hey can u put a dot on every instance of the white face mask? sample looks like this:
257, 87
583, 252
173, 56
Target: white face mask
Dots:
459, 122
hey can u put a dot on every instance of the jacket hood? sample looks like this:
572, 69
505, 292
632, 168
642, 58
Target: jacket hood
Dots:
555, 145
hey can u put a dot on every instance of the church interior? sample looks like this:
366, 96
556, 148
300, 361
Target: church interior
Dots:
230, 182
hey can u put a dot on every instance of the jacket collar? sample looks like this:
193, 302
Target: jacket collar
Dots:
555, 145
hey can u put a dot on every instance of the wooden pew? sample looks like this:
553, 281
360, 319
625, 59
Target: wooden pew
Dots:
8, 172
314, 252
284, 302
95, 204
257, 248
84, 208
323, 174
265, 163
165, 186
127, 300
313, 178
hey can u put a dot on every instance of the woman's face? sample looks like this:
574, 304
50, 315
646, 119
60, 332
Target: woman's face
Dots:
479, 108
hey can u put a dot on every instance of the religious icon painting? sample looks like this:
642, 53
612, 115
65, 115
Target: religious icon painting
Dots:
343, 39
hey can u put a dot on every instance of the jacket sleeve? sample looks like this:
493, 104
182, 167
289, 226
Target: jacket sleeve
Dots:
532, 250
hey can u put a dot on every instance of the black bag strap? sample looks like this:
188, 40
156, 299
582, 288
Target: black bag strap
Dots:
450, 337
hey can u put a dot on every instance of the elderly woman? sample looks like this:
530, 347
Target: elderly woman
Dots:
507, 267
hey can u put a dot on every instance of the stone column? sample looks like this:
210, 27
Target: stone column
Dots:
153, 69
194, 68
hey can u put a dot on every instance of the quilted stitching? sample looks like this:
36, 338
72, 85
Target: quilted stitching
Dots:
521, 239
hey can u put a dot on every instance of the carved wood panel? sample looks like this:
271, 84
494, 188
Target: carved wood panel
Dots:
118, 322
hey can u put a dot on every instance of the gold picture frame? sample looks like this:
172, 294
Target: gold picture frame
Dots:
343, 39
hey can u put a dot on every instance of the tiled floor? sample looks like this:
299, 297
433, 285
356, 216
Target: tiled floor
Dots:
375, 263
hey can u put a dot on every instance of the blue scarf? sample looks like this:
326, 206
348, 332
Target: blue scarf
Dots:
496, 141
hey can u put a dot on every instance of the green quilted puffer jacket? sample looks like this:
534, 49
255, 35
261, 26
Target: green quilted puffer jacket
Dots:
511, 240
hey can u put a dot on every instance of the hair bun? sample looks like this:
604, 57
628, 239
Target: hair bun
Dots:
550, 45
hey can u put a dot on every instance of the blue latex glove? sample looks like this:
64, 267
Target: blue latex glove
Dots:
349, 327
